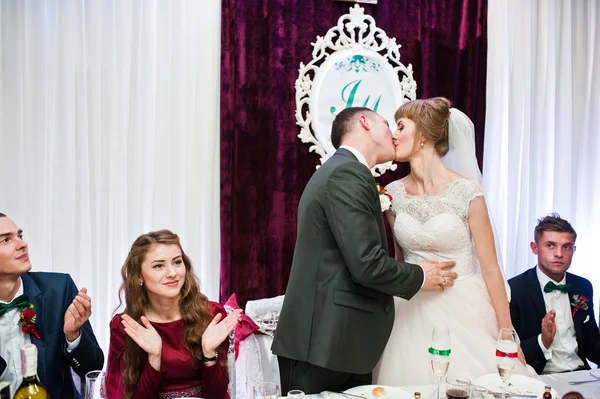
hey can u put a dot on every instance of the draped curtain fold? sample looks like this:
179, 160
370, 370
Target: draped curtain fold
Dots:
109, 128
542, 141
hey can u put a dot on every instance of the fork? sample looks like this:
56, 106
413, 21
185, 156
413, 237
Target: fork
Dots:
583, 382
597, 379
594, 375
512, 395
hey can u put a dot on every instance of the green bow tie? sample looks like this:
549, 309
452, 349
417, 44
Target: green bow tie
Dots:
559, 287
18, 302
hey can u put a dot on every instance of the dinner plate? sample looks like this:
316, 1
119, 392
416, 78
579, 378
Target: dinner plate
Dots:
516, 384
366, 391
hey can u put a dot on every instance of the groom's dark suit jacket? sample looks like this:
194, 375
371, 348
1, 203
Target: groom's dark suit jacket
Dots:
527, 309
338, 309
51, 294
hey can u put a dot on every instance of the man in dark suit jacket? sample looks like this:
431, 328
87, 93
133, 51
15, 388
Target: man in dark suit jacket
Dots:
66, 339
338, 309
552, 310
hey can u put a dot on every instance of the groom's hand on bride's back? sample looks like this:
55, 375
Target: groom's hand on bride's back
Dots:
437, 278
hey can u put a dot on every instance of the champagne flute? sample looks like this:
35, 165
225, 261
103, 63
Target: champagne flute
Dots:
506, 355
439, 353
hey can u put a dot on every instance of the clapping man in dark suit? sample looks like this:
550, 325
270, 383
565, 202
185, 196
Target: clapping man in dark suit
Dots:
552, 310
338, 309
61, 330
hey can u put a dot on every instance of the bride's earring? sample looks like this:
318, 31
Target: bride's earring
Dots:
422, 143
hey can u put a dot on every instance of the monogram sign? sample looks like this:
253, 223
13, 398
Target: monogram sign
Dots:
354, 65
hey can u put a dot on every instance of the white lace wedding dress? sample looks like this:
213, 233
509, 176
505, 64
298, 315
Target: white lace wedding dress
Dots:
436, 228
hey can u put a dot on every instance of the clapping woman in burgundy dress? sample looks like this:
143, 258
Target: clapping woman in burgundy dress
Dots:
170, 341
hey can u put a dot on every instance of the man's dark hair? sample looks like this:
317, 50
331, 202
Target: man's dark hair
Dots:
2, 215
343, 122
553, 222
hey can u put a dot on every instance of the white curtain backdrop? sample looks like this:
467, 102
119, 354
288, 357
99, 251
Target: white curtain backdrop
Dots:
109, 128
542, 143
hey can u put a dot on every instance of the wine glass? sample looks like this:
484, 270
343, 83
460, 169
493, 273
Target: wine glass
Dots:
458, 388
266, 390
478, 392
295, 394
95, 384
439, 353
506, 355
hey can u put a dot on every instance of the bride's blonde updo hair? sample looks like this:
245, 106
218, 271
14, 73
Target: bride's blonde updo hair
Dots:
431, 118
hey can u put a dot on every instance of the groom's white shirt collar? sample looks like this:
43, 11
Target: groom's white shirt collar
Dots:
543, 279
357, 154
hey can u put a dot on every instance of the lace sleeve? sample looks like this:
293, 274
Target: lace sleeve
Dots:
467, 191
396, 190
473, 190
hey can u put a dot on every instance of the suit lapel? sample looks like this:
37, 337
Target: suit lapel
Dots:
36, 298
536, 293
579, 317
377, 206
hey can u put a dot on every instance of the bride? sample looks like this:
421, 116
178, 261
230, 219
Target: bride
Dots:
440, 214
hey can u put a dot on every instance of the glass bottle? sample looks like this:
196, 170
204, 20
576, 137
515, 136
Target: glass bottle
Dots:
31, 387
5, 390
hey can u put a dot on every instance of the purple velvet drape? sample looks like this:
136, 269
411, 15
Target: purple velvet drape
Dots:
264, 166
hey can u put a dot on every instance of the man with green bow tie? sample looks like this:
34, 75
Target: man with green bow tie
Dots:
552, 310
47, 310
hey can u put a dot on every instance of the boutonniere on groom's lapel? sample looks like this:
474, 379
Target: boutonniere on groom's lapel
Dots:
579, 302
385, 199
27, 321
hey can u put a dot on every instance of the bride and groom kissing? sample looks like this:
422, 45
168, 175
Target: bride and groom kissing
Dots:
352, 315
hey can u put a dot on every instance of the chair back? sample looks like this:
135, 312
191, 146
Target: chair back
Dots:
256, 363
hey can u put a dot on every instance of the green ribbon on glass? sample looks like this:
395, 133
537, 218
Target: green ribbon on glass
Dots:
445, 352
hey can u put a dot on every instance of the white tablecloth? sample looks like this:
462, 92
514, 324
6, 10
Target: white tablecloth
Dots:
560, 382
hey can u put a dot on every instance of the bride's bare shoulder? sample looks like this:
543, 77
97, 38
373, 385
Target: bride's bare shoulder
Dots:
397, 183
453, 176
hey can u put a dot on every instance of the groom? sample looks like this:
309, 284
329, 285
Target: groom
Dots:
338, 309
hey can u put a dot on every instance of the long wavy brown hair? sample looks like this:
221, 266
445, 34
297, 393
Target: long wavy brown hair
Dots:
194, 306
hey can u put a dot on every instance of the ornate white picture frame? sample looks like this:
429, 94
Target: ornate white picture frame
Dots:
354, 64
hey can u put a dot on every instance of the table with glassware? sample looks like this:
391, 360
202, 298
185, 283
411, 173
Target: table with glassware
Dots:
501, 385
529, 388
489, 388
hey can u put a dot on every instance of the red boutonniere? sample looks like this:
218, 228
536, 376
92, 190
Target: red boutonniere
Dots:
385, 199
27, 321
579, 302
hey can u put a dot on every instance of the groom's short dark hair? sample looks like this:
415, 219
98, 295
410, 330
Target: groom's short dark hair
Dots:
553, 222
2, 215
343, 122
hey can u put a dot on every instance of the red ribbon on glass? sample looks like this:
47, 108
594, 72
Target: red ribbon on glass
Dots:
504, 354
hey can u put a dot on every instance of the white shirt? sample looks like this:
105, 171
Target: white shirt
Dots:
11, 340
361, 158
562, 354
